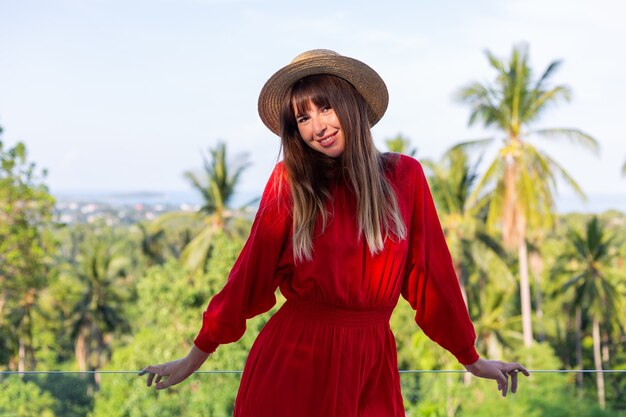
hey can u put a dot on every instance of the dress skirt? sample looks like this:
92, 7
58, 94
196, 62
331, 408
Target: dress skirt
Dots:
313, 359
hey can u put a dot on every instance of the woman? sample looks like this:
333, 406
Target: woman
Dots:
343, 230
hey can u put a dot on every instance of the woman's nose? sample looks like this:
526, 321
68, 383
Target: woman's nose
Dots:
319, 126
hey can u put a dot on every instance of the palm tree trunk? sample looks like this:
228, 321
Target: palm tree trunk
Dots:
510, 212
82, 349
21, 354
527, 325
514, 232
579, 351
536, 266
598, 362
605, 348
3, 300
26, 353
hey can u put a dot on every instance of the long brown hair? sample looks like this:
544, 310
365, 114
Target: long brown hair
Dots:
361, 165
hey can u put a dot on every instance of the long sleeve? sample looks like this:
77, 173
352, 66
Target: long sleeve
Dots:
431, 285
252, 282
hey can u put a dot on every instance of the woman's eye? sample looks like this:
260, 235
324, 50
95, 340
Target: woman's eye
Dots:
326, 109
302, 119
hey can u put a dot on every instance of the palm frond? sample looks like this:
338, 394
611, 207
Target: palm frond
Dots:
565, 176
551, 69
470, 145
573, 135
493, 172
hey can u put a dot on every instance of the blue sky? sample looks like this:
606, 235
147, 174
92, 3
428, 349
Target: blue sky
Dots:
124, 95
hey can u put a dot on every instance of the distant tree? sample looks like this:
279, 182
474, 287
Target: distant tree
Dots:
217, 182
522, 179
594, 284
217, 186
26, 248
401, 144
99, 272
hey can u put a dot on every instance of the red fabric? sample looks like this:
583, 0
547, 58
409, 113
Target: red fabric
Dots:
309, 364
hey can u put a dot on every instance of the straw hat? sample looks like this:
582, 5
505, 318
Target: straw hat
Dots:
322, 61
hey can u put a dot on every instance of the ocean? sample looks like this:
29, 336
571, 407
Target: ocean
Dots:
596, 203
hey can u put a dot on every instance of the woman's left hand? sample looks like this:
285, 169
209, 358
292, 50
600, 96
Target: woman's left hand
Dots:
498, 370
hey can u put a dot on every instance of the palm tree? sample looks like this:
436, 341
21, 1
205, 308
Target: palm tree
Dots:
587, 261
218, 181
522, 179
98, 311
217, 185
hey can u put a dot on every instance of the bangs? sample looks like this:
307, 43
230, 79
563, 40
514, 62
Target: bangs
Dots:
313, 89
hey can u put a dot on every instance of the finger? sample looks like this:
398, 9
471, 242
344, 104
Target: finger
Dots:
517, 367
150, 378
166, 383
513, 374
524, 370
158, 379
505, 384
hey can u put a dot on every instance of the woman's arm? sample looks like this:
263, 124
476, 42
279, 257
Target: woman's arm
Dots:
431, 285
257, 272
432, 288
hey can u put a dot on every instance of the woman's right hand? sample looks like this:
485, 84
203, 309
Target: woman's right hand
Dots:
174, 372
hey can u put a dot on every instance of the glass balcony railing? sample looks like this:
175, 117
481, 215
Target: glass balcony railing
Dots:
212, 393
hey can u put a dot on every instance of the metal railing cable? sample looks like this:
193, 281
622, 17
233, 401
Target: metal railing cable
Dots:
402, 371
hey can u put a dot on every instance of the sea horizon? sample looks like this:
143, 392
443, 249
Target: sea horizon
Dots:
595, 204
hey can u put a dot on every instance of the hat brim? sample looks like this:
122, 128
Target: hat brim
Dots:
366, 81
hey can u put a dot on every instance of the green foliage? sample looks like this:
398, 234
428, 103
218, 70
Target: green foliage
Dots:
25, 399
400, 144
26, 247
169, 313
165, 237
541, 394
71, 393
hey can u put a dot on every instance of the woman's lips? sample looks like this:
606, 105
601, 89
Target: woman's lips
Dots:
328, 140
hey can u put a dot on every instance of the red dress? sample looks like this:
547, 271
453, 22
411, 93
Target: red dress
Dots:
329, 350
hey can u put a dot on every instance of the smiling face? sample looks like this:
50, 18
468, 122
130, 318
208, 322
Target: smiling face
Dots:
320, 129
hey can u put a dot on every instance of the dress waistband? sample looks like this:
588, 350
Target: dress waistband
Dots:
331, 314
